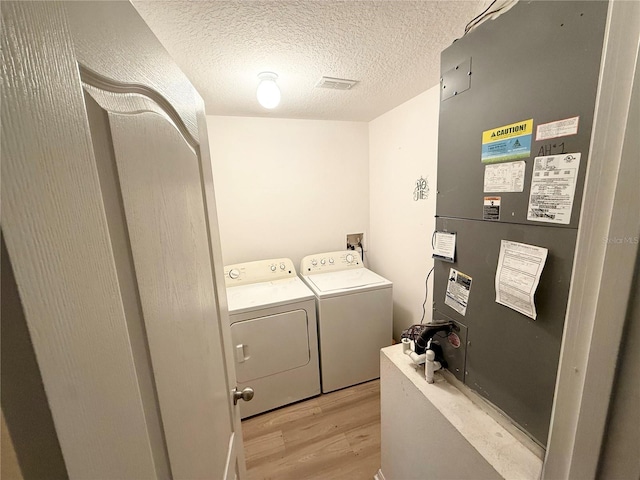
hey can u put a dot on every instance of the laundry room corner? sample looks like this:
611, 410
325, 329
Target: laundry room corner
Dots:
288, 187
403, 146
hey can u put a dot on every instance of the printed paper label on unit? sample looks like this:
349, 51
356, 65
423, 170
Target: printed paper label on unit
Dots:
504, 177
553, 187
507, 143
458, 288
518, 274
444, 246
491, 208
559, 128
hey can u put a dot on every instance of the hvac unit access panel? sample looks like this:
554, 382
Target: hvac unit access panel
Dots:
538, 61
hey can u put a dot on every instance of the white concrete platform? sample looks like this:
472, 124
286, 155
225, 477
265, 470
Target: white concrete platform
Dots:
435, 431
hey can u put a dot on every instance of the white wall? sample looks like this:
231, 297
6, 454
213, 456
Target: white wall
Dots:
403, 146
295, 187
288, 188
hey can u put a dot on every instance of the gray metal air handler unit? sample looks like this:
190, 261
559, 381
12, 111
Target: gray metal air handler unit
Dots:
540, 60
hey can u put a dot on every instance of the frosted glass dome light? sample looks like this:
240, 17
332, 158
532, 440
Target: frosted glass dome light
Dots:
268, 92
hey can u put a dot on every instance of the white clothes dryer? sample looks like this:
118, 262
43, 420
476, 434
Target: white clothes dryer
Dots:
355, 315
274, 333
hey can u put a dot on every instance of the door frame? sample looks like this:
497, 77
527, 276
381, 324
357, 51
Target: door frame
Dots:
605, 258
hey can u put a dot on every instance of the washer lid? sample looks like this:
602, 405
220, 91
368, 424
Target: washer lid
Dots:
267, 294
345, 280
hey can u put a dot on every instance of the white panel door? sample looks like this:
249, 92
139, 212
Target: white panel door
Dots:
110, 224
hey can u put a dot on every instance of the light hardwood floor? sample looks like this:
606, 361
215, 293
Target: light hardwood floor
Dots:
333, 436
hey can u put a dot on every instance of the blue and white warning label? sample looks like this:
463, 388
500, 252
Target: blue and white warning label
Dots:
507, 143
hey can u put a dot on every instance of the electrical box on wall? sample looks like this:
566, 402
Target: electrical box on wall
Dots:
355, 240
512, 158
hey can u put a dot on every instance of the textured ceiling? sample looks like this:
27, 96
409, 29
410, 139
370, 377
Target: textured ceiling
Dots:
392, 48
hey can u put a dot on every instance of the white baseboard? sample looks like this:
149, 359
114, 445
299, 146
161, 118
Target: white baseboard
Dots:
379, 475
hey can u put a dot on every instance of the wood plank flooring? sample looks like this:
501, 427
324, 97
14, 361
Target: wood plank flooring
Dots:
333, 436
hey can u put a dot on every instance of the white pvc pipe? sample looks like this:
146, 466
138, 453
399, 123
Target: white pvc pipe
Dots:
431, 366
415, 358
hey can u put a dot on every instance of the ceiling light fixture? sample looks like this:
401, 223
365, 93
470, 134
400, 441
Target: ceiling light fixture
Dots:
268, 92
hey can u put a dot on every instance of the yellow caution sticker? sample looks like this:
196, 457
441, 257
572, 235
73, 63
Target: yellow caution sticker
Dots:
507, 143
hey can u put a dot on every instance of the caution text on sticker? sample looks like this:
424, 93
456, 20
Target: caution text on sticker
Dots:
507, 131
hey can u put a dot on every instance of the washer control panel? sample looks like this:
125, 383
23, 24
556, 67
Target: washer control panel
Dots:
258, 272
330, 262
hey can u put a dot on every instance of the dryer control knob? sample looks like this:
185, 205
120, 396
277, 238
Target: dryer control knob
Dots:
349, 258
323, 261
282, 267
273, 268
314, 262
331, 260
233, 273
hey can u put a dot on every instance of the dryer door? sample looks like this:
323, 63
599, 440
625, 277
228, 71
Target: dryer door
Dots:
271, 344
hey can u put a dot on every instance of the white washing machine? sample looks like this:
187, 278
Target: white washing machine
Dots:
274, 333
355, 314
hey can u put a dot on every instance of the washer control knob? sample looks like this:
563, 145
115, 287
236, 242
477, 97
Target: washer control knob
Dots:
314, 262
349, 258
273, 268
282, 267
323, 261
234, 273
331, 261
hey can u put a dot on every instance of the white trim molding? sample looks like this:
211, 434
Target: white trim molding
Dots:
379, 475
603, 266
